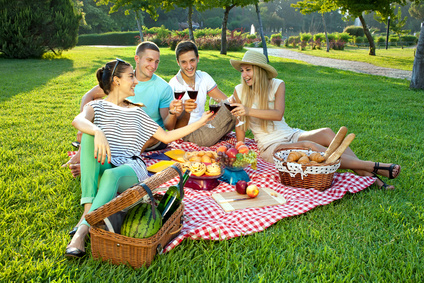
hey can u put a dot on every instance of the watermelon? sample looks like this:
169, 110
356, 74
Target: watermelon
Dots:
139, 222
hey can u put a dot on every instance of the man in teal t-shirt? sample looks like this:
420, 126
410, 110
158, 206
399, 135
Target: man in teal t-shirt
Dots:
155, 94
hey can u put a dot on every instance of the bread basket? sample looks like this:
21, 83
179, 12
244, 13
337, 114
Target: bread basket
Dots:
317, 176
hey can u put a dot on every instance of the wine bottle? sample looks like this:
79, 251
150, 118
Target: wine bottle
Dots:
172, 198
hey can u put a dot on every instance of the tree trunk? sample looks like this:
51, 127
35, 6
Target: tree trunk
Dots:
224, 30
262, 32
368, 35
327, 42
417, 78
190, 23
140, 22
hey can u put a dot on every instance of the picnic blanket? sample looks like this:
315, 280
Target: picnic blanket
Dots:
205, 219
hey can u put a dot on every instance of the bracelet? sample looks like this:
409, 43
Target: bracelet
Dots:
170, 113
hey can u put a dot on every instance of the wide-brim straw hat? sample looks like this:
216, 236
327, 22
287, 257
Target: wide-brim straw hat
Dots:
257, 59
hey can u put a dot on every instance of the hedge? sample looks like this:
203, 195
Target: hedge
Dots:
110, 38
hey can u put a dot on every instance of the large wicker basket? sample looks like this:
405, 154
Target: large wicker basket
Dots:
119, 249
317, 176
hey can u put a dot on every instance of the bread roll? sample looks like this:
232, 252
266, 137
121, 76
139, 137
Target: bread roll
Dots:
303, 160
294, 156
316, 157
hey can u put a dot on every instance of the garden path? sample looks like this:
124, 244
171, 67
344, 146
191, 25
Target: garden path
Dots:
354, 66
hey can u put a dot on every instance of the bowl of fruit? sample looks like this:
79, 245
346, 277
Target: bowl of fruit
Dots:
236, 158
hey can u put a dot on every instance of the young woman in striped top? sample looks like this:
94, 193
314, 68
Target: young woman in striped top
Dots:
115, 130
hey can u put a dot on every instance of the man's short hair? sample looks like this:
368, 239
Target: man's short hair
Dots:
146, 45
184, 47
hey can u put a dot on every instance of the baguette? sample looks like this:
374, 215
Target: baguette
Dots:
335, 143
339, 151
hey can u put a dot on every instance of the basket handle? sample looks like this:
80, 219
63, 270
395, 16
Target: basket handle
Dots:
131, 195
178, 230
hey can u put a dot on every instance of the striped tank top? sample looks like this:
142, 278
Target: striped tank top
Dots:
126, 130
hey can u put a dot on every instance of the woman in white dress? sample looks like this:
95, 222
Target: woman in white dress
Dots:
260, 101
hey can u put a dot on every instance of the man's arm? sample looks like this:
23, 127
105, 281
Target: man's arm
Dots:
93, 94
217, 94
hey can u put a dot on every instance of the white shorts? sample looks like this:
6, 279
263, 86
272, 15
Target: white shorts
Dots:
268, 153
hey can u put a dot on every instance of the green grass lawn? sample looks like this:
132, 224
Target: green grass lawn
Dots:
374, 235
393, 57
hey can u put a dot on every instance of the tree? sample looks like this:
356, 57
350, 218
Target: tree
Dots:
30, 29
227, 5
138, 6
417, 78
320, 6
397, 24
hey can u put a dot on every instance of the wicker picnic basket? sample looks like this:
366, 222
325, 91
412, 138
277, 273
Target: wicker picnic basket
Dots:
318, 176
119, 249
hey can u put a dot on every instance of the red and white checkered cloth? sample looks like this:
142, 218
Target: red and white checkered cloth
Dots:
205, 219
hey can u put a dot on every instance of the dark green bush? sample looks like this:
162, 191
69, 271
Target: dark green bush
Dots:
409, 39
111, 38
354, 30
31, 28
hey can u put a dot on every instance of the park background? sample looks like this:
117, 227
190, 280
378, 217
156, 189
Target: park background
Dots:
374, 235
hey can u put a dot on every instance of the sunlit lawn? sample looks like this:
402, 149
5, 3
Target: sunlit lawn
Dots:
393, 57
374, 235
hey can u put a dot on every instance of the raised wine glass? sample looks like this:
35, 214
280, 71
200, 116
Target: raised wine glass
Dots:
230, 108
192, 93
179, 92
214, 105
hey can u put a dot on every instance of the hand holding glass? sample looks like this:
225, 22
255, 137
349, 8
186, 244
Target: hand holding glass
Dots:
214, 106
230, 108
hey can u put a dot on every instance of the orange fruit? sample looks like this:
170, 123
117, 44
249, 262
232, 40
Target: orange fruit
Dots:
243, 149
222, 148
238, 144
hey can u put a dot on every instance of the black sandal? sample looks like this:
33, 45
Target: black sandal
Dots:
390, 169
385, 185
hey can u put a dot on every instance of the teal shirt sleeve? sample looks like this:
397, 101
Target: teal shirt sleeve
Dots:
167, 97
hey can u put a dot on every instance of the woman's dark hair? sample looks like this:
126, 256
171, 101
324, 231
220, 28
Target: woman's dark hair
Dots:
104, 74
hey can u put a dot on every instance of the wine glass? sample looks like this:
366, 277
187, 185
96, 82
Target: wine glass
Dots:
214, 105
230, 108
192, 93
179, 92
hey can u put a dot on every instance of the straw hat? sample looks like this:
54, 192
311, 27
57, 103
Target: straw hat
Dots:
257, 59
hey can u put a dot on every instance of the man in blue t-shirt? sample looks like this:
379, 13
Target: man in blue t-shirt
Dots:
152, 91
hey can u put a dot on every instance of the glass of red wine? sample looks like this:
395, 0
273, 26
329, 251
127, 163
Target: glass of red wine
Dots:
230, 108
179, 92
214, 106
193, 95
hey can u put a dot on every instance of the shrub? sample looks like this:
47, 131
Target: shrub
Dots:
111, 38
317, 41
31, 28
305, 36
344, 36
207, 32
251, 36
393, 40
276, 39
294, 40
331, 37
380, 40
409, 40
354, 31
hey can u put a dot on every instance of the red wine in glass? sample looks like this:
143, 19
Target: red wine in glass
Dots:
192, 94
179, 94
229, 107
214, 108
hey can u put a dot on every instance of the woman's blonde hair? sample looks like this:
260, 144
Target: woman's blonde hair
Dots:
257, 93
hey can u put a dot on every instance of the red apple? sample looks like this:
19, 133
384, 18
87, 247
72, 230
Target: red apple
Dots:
241, 187
252, 191
231, 153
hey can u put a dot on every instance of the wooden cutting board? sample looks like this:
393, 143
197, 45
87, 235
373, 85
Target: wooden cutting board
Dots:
266, 197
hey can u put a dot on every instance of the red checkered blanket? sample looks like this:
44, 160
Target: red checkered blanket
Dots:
205, 219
